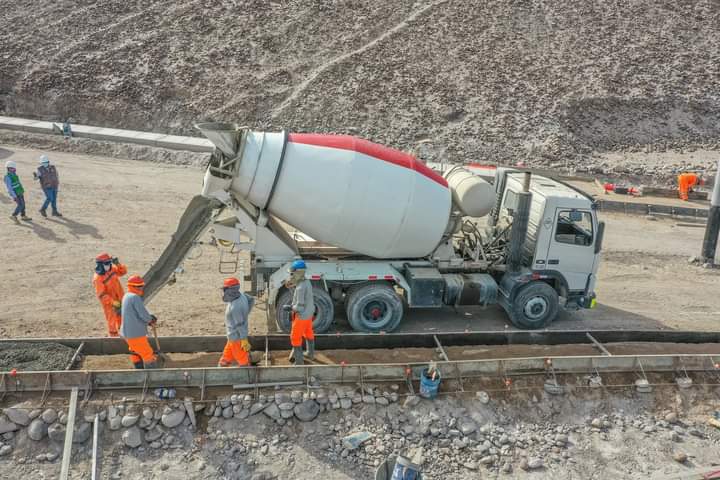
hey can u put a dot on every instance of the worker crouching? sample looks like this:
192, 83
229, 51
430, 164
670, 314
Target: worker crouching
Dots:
686, 182
302, 313
135, 320
108, 289
237, 314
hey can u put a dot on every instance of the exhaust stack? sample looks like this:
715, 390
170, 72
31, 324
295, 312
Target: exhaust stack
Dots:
519, 226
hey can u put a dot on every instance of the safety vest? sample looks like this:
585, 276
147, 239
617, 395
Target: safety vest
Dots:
48, 176
15, 184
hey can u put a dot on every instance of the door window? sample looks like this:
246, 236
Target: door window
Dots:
574, 227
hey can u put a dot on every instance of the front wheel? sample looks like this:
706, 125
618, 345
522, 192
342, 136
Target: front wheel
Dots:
374, 308
535, 306
324, 310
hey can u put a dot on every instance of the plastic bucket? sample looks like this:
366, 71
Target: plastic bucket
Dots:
405, 470
428, 386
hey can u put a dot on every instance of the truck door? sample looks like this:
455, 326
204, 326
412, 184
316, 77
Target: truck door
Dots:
571, 246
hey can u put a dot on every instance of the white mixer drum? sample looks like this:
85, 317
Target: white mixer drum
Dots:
347, 192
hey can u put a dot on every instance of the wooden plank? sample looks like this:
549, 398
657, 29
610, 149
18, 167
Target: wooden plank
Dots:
96, 430
69, 430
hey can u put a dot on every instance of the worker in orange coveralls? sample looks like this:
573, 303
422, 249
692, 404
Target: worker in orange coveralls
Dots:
106, 281
685, 183
135, 320
237, 314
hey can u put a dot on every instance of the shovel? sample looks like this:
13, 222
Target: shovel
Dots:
159, 352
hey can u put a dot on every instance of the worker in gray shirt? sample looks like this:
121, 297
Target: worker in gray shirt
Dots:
135, 320
302, 311
237, 313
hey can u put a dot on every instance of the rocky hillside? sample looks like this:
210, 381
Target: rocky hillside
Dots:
502, 81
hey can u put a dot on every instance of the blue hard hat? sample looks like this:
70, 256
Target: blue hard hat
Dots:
298, 265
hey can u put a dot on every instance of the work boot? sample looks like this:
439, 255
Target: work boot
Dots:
43, 213
56, 214
151, 365
310, 353
25, 218
138, 365
14, 217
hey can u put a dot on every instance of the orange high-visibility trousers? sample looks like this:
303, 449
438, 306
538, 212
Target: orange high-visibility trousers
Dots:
301, 329
140, 351
113, 320
685, 182
233, 352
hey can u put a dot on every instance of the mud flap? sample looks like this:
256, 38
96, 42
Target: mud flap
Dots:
193, 223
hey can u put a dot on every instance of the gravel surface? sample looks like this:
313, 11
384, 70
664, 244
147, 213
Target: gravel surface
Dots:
551, 84
34, 356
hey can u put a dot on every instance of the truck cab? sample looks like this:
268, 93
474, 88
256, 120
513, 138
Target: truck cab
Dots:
561, 249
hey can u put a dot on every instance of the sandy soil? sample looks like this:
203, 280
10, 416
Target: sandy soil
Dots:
130, 209
552, 83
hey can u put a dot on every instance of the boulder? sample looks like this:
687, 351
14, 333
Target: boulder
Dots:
129, 420
173, 418
37, 430
7, 426
5, 450
18, 415
256, 408
273, 411
56, 432
307, 410
154, 434
345, 403
115, 422
132, 437
228, 412
35, 413
49, 416
82, 433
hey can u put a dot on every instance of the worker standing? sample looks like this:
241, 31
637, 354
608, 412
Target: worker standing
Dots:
108, 289
302, 311
135, 320
15, 190
685, 183
237, 314
49, 182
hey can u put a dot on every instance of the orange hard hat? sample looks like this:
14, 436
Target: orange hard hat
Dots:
136, 281
231, 282
103, 257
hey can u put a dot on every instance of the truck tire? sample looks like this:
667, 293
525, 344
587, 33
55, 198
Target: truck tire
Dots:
324, 310
536, 305
373, 308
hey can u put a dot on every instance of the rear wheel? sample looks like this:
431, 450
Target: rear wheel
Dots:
374, 308
324, 310
535, 306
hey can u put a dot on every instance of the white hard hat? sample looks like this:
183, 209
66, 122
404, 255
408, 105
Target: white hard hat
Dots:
10, 164
44, 159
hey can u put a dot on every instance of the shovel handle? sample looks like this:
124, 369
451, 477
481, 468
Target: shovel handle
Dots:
157, 340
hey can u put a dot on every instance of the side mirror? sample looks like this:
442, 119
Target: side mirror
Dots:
599, 237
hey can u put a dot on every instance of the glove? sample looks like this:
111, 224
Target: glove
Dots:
153, 320
287, 308
245, 344
115, 261
117, 306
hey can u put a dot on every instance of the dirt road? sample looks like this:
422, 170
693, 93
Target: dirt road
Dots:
131, 208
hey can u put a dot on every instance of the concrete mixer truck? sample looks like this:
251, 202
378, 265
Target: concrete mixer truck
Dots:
381, 232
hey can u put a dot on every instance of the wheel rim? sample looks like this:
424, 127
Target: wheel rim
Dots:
536, 308
374, 312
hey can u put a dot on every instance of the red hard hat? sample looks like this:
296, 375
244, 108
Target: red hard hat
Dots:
136, 281
103, 257
231, 282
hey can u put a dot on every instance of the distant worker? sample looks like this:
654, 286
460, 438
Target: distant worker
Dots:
302, 313
67, 130
108, 289
49, 182
237, 314
685, 183
135, 320
15, 190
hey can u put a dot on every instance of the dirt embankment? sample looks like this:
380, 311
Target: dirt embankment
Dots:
550, 84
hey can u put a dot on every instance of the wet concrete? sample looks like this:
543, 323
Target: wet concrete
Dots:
34, 357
